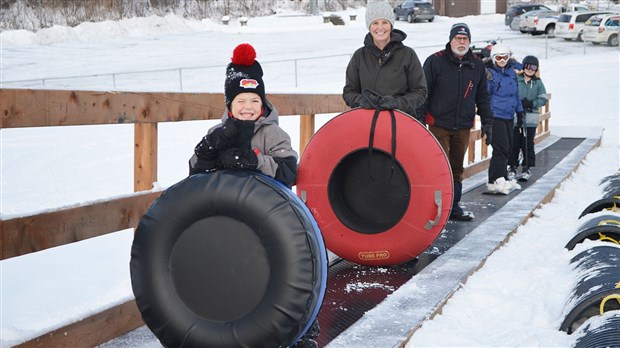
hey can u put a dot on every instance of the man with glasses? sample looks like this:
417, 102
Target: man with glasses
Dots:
456, 84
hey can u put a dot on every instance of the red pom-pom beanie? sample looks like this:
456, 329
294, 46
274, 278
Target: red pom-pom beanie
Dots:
244, 74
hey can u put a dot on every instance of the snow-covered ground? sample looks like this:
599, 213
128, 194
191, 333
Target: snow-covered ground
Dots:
516, 299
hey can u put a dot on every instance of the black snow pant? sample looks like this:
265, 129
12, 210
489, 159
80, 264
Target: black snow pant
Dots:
521, 144
501, 143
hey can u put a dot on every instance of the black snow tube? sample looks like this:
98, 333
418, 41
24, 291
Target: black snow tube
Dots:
611, 185
599, 226
379, 185
597, 286
609, 203
228, 259
602, 331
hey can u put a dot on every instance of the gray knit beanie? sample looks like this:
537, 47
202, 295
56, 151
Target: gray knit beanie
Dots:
379, 10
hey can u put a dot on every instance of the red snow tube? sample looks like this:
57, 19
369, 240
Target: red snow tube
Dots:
378, 184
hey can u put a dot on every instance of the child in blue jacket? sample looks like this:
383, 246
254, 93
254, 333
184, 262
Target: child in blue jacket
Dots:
505, 103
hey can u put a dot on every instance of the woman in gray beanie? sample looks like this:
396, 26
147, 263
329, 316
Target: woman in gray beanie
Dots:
385, 66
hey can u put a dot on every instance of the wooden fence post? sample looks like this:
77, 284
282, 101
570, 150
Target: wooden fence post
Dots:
145, 156
306, 130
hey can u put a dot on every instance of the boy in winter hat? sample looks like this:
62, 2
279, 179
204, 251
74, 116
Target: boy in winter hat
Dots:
249, 136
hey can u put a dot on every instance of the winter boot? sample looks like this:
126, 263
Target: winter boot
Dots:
526, 173
307, 341
512, 172
502, 186
457, 212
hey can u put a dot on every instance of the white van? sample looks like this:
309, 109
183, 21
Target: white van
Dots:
570, 24
602, 28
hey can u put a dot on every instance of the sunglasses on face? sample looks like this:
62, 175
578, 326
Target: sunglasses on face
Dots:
501, 57
532, 67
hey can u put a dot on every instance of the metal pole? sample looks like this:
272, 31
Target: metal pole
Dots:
584, 46
114, 81
181, 79
546, 45
295, 72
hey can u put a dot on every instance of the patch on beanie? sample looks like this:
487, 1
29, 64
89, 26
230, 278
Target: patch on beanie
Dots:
462, 31
248, 83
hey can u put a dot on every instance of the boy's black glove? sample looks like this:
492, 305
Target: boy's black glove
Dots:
487, 131
528, 105
206, 153
246, 132
388, 102
234, 158
520, 117
227, 135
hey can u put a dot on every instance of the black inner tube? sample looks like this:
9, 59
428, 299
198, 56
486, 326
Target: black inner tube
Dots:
213, 265
365, 194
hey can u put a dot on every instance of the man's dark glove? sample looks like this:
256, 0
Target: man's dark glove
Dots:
227, 135
234, 158
528, 105
520, 117
487, 131
388, 102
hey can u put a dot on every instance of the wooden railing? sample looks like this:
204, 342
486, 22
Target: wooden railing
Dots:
42, 108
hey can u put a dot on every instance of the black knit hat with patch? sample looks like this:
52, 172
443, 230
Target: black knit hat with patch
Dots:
460, 29
244, 74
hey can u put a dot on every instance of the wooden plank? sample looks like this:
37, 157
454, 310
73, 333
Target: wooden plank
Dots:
38, 108
144, 156
33, 233
306, 131
92, 331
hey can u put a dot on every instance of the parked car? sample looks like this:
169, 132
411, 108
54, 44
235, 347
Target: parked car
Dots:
415, 10
538, 22
570, 24
602, 28
544, 22
517, 10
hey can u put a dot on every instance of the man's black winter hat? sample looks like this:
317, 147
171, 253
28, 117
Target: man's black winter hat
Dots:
244, 74
459, 29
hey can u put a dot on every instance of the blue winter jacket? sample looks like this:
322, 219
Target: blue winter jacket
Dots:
504, 90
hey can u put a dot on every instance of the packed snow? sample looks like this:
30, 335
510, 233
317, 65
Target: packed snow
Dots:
516, 299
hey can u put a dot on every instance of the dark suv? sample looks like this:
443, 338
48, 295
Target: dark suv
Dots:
516, 11
414, 10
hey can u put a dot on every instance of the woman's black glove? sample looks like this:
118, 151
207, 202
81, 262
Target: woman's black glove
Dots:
369, 101
388, 102
528, 105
